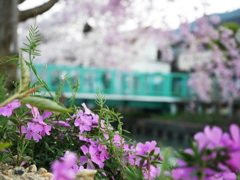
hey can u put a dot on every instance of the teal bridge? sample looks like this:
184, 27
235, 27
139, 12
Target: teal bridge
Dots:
133, 89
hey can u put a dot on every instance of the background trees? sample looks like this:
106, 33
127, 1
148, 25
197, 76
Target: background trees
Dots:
118, 33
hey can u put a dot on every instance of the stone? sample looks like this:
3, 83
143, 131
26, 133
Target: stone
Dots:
11, 172
2, 177
32, 168
47, 175
42, 170
5, 172
85, 174
19, 170
31, 176
8, 172
22, 178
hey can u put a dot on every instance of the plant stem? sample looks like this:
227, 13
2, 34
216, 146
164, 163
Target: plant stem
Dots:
36, 74
203, 173
18, 150
10, 99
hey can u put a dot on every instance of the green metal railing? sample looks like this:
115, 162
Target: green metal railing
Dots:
116, 82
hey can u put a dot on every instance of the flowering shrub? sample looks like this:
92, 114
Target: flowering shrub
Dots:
214, 155
100, 146
97, 145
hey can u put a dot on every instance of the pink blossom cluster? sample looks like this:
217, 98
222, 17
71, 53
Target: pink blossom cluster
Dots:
95, 153
220, 71
65, 168
37, 127
144, 150
8, 109
212, 138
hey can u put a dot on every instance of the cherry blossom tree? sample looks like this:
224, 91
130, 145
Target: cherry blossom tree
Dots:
96, 35
216, 78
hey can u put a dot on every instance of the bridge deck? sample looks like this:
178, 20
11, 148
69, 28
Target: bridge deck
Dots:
129, 97
117, 85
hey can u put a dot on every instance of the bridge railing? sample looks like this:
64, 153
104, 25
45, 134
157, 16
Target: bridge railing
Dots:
116, 82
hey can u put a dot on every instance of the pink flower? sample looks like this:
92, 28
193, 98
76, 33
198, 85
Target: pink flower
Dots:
84, 123
5, 151
144, 149
154, 172
45, 128
46, 114
23, 163
61, 123
32, 131
34, 110
87, 111
65, 168
234, 147
93, 154
210, 137
39, 120
8, 109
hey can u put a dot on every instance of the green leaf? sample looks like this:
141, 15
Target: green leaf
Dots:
156, 162
126, 131
143, 157
186, 157
4, 145
151, 153
215, 168
13, 120
45, 104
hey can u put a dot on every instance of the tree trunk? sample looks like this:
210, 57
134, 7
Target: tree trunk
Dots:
9, 18
6, 35
5, 27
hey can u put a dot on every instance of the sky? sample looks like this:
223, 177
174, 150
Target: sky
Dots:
172, 10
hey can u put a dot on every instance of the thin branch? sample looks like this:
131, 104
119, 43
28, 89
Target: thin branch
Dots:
24, 15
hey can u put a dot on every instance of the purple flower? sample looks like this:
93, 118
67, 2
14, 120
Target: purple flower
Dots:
234, 147
84, 123
210, 138
32, 131
61, 123
46, 114
65, 168
144, 149
82, 138
183, 173
93, 154
95, 118
154, 172
213, 138
8, 109
4, 151
87, 111
223, 176
34, 110
39, 120
45, 128
23, 163
103, 152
